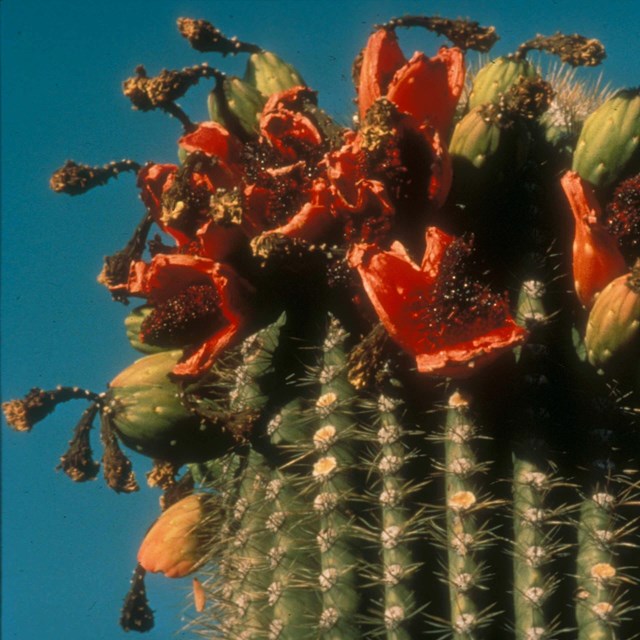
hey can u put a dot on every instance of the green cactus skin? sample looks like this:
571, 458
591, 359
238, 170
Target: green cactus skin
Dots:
230, 396
497, 77
257, 361
534, 481
597, 608
606, 563
465, 538
610, 139
397, 564
244, 581
242, 102
333, 476
269, 74
535, 547
294, 560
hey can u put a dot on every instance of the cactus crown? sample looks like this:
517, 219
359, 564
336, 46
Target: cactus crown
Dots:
352, 444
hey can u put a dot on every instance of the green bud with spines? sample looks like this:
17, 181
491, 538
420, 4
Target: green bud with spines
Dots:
612, 338
269, 74
609, 144
146, 411
491, 143
497, 77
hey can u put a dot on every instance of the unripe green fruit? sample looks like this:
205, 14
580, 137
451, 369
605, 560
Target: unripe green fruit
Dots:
484, 151
132, 325
613, 330
242, 102
150, 419
475, 139
609, 143
270, 74
497, 77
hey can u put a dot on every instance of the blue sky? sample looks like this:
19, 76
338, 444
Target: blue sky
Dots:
68, 550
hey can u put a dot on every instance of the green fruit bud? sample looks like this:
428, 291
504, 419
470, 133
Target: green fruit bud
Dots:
132, 325
612, 338
484, 151
609, 143
497, 77
475, 139
236, 104
149, 418
270, 74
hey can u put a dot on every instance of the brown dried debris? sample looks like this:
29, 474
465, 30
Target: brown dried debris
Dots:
463, 33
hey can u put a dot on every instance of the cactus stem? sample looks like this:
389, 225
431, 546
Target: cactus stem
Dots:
601, 603
465, 537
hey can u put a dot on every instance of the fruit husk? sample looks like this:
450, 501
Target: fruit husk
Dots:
269, 74
237, 104
612, 337
497, 77
149, 417
609, 144
485, 153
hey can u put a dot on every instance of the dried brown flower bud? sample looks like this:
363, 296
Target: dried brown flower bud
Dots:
136, 613
465, 34
76, 179
203, 36
575, 50
24, 413
78, 462
117, 469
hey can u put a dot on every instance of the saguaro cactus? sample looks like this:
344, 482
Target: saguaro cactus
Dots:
387, 390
